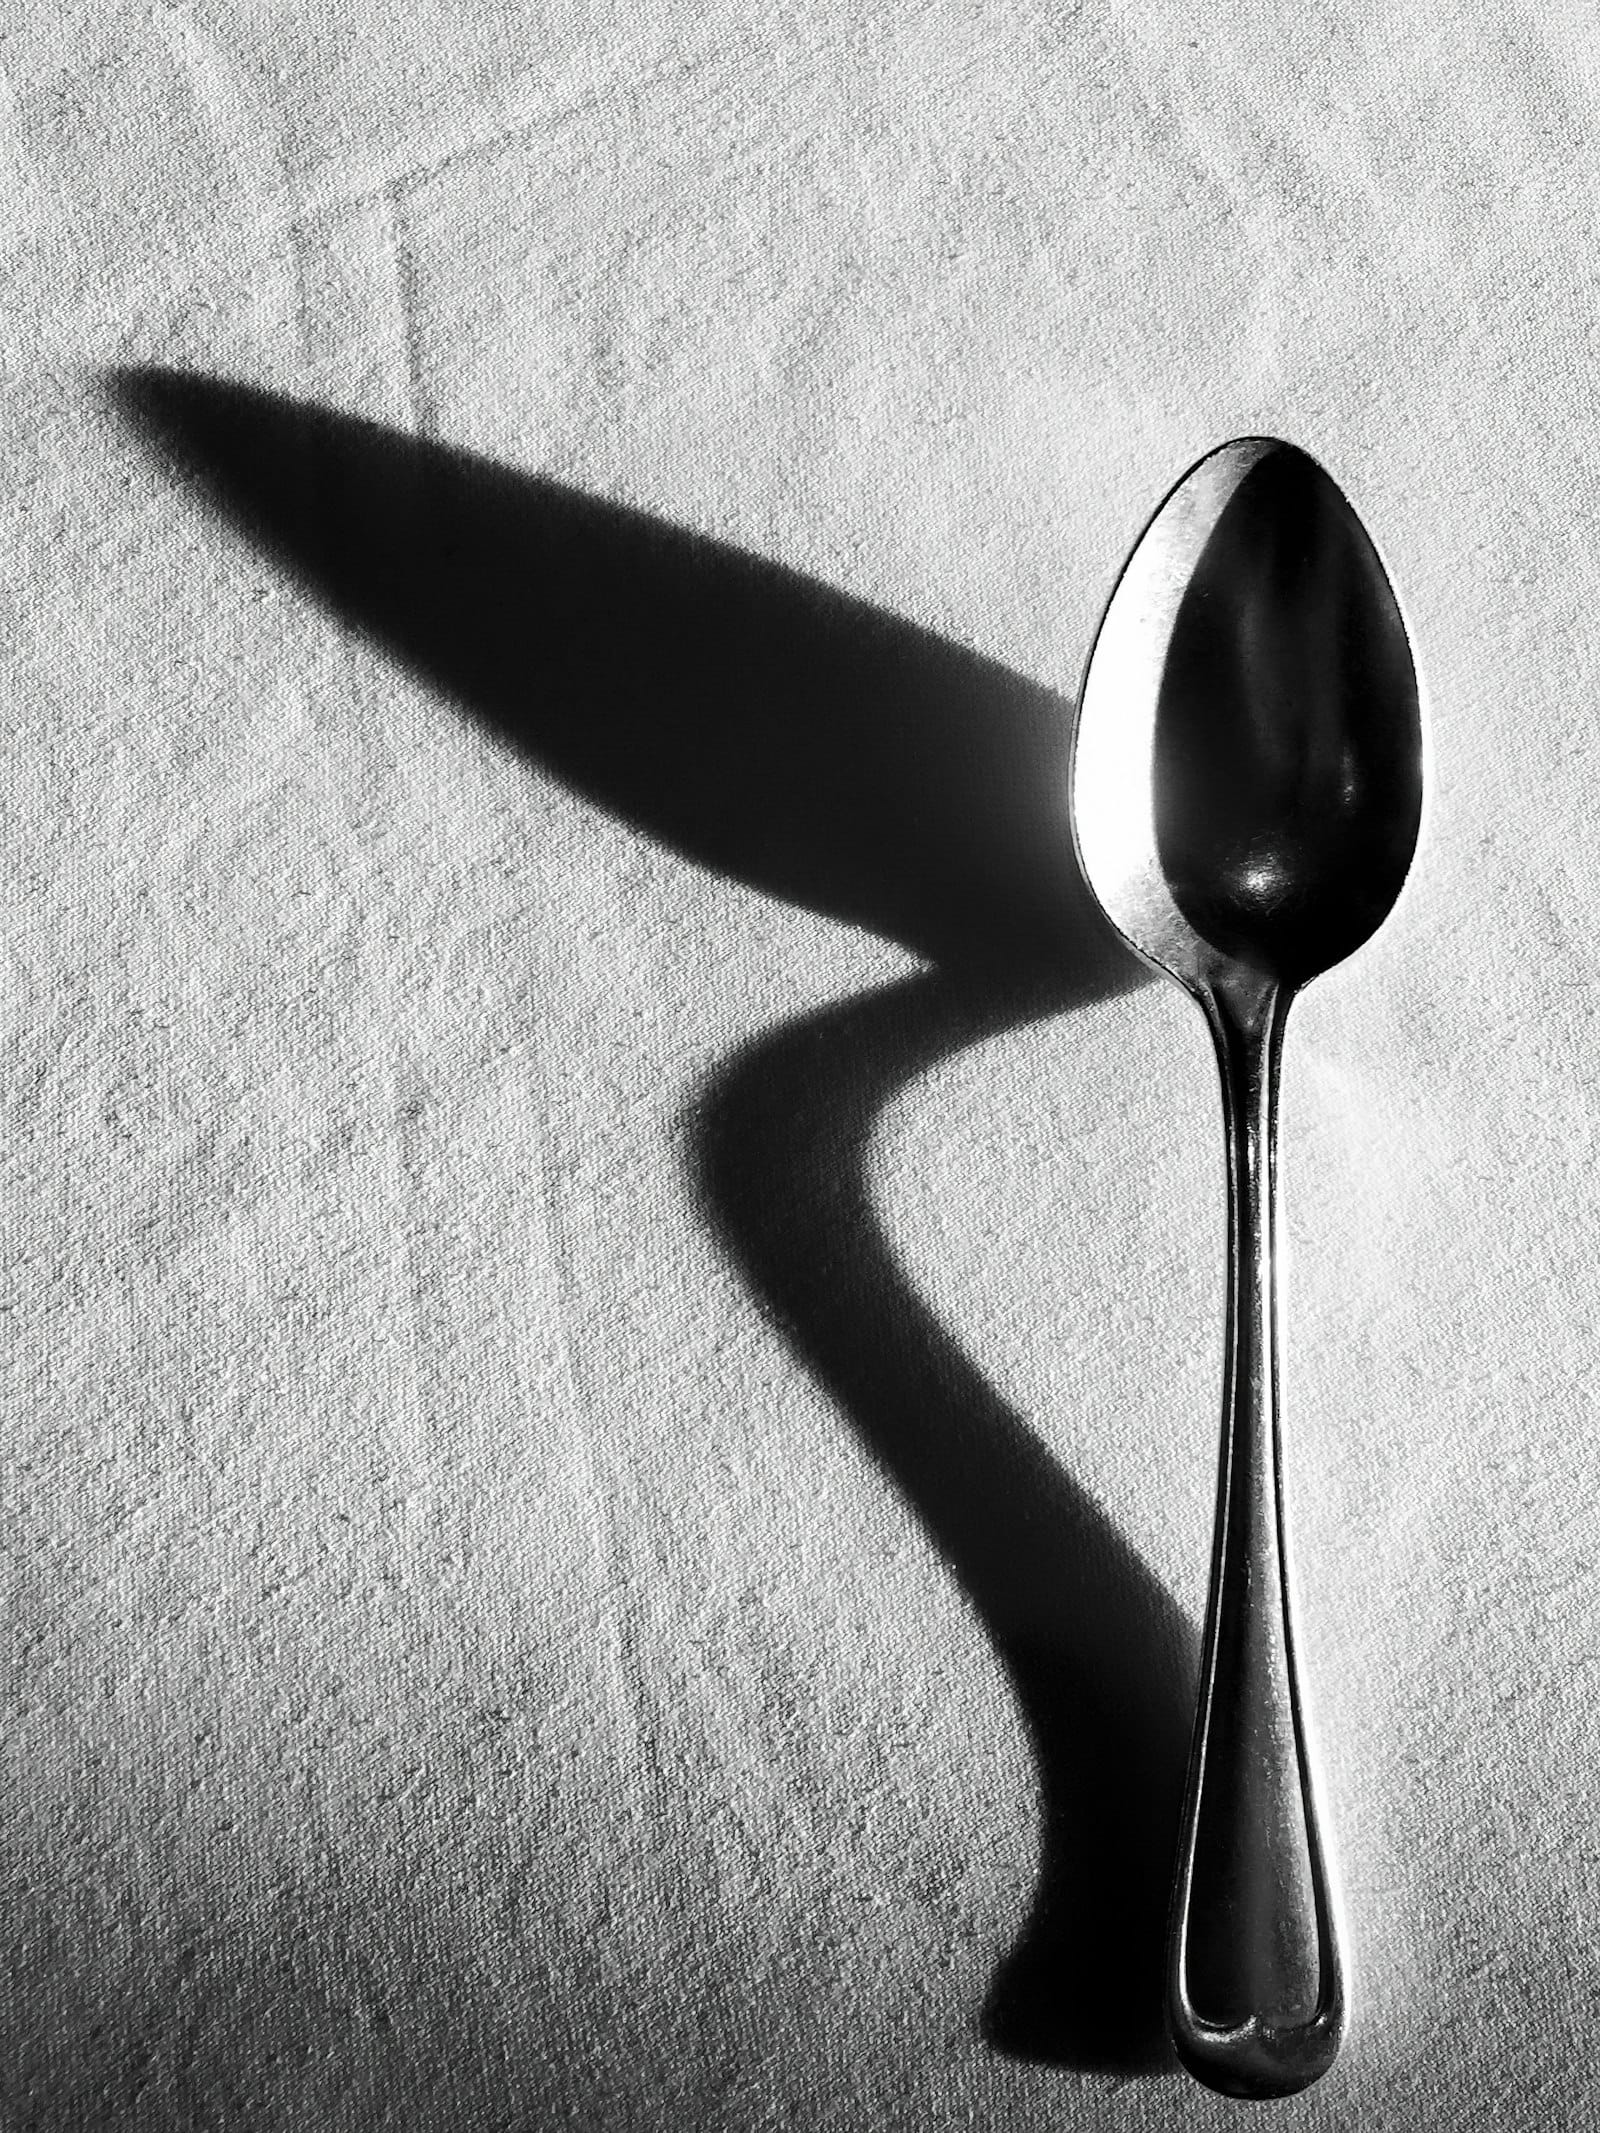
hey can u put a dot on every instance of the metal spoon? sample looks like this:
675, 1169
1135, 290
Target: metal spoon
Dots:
1247, 790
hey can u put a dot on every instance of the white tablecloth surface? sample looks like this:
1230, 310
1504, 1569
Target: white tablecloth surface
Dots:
612, 1300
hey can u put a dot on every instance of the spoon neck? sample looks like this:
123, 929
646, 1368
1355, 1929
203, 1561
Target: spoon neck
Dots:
1247, 1012
1247, 1022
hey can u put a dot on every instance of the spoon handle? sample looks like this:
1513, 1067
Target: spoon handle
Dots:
1255, 1994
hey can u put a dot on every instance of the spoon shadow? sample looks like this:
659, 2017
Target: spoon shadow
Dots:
806, 744
839, 758
1098, 1655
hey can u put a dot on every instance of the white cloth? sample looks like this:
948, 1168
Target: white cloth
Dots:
609, 1430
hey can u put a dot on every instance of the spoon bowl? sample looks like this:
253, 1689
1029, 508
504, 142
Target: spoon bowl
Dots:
1248, 773
1248, 781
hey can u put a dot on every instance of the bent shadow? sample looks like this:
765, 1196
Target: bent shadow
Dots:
1098, 1654
835, 756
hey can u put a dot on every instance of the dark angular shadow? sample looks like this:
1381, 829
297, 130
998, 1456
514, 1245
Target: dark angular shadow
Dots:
830, 754
804, 743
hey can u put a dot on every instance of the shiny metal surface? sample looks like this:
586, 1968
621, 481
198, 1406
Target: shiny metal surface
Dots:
1247, 794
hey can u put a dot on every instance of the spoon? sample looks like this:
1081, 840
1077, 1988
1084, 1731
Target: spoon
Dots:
1247, 791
